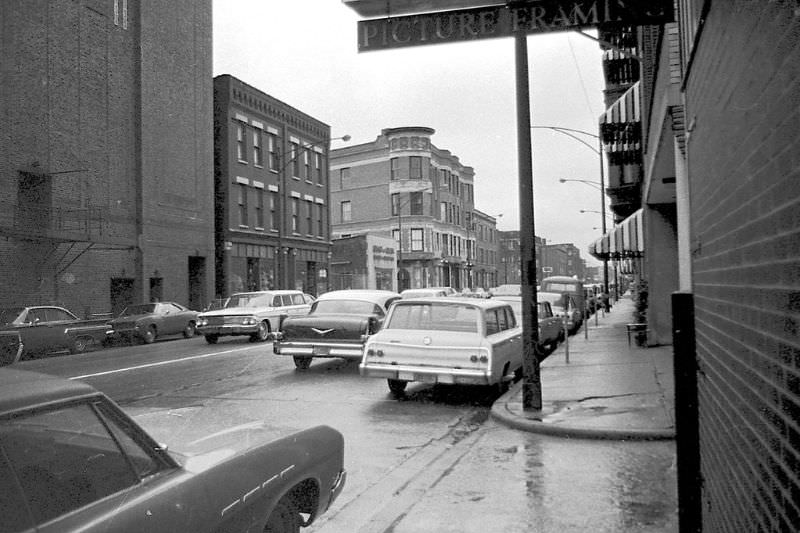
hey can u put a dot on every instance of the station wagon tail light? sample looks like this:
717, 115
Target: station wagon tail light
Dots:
371, 352
481, 357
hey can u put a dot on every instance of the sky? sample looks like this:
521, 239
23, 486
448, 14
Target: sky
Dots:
304, 52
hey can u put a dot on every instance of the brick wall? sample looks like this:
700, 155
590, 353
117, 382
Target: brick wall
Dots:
743, 115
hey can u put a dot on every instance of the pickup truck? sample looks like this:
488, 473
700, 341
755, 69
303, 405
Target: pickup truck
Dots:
47, 328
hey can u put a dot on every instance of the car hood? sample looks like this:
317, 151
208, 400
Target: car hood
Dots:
210, 450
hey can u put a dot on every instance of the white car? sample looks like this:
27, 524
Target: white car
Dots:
445, 340
256, 314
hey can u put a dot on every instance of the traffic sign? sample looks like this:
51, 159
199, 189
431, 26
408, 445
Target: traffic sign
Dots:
507, 20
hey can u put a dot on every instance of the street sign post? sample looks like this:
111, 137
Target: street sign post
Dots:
495, 21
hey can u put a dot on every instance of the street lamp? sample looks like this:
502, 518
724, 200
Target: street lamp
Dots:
595, 184
570, 132
282, 201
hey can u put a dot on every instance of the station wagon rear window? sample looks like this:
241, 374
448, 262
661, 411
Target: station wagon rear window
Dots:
436, 316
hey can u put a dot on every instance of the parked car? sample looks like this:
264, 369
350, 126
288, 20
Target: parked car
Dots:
72, 460
445, 340
337, 326
423, 293
145, 322
551, 327
449, 291
11, 347
508, 289
47, 328
572, 311
255, 314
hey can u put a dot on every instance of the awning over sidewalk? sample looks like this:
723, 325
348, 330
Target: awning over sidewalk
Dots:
621, 128
624, 241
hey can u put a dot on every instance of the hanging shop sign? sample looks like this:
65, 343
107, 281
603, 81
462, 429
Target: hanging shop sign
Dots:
507, 20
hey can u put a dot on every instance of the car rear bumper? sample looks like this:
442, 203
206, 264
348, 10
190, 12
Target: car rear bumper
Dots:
449, 376
329, 349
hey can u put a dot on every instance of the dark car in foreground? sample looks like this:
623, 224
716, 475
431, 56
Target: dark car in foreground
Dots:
48, 328
71, 460
145, 322
337, 326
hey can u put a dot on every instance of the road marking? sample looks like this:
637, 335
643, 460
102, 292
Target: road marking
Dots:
160, 363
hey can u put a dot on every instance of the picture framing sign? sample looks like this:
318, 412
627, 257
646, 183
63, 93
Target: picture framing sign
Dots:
535, 16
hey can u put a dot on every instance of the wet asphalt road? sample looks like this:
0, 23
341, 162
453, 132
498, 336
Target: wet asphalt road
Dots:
431, 462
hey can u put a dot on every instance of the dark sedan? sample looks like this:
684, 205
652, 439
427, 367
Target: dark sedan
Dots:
145, 322
71, 460
337, 326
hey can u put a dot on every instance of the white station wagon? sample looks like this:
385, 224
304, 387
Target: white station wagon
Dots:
445, 340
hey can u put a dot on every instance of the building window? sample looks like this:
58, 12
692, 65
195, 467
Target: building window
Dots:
396, 236
306, 164
346, 211
394, 168
415, 203
242, 205
241, 142
295, 215
273, 210
318, 167
443, 211
415, 172
272, 147
344, 178
309, 219
294, 153
258, 158
320, 223
395, 204
417, 240
259, 208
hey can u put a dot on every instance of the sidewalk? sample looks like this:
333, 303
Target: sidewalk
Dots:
607, 390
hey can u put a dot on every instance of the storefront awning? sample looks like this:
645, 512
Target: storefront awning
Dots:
621, 127
624, 241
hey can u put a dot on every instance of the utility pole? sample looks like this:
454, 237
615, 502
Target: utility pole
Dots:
531, 384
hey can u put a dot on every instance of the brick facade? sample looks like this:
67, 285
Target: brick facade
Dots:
105, 172
742, 94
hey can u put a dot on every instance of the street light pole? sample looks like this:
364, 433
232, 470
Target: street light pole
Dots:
569, 132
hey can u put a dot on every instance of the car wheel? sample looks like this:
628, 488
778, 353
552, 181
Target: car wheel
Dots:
283, 519
149, 335
79, 345
212, 339
263, 332
397, 386
302, 362
189, 331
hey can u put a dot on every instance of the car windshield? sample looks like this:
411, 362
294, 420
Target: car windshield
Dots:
344, 307
141, 309
9, 314
249, 300
435, 316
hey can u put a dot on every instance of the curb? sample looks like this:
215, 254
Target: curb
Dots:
503, 414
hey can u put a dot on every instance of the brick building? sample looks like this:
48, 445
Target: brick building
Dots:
484, 269
105, 170
402, 185
271, 184
718, 110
